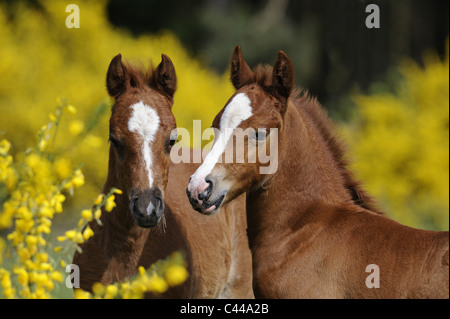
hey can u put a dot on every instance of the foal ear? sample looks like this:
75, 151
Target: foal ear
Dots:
283, 76
241, 74
166, 77
117, 77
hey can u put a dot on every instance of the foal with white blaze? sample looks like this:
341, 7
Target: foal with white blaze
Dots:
153, 218
312, 229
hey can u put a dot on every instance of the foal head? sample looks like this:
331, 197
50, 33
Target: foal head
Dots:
142, 133
258, 107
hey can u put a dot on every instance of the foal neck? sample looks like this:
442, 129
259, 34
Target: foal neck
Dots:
307, 165
307, 176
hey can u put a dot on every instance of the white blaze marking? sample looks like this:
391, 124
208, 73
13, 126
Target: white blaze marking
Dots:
145, 122
237, 111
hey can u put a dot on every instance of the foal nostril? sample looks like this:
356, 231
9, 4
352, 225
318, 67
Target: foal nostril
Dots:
159, 207
207, 192
156, 205
203, 195
133, 203
148, 207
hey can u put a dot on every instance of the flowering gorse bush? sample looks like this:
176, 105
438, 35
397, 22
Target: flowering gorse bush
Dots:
32, 192
157, 280
32, 195
400, 143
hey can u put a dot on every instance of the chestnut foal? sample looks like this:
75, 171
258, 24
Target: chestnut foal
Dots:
142, 133
313, 232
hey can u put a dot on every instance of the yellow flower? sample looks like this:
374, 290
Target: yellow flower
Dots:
87, 214
72, 109
43, 229
25, 292
24, 254
52, 117
42, 145
45, 221
88, 233
22, 276
78, 179
118, 191
97, 214
9, 293
110, 204
10, 179
57, 201
111, 292
42, 257
46, 267
40, 293
30, 265
126, 291
62, 167
176, 275
71, 234
76, 127
157, 285
81, 294
31, 240
46, 212
79, 239
24, 213
42, 241
24, 226
99, 199
57, 249
98, 289
57, 276
5, 282
138, 289
4, 147
142, 271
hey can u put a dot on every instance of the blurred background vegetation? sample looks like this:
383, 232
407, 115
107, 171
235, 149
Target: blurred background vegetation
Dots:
387, 89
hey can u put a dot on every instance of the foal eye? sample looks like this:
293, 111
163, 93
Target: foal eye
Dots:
113, 141
170, 142
118, 145
173, 139
173, 142
260, 135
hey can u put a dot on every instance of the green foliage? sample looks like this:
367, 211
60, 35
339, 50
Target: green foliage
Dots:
400, 141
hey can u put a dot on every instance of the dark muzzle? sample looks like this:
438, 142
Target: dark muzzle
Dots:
147, 207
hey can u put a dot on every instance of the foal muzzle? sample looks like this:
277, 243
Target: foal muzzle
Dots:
147, 207
203, 198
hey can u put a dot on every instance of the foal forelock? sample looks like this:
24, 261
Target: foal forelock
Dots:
145, 121
237, 111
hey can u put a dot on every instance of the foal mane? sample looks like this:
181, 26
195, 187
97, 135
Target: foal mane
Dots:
311, 108
315, 113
